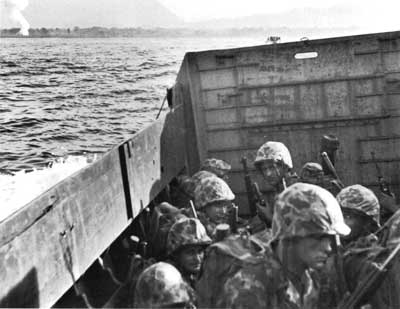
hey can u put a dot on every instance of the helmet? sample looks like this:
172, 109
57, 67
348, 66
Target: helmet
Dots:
360, 199
187, 231
311, 171
303, 210
275, 151
216, 166
212, 189
160, 285
196, 178
187, 184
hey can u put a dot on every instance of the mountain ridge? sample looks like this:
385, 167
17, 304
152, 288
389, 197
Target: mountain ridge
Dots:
104, 13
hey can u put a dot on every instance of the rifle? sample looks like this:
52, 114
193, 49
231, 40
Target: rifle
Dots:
234, 218
329, 165
193, 209
329, 145
249, 188
260, 201
365, 285
383, 184
342, 283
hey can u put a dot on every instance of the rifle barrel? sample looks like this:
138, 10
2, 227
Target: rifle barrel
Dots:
249, 189
328, 162
193, 209
366, 284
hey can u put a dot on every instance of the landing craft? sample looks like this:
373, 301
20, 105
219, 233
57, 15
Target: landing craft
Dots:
225, 104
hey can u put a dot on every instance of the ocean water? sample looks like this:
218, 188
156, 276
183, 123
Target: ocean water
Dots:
64, 102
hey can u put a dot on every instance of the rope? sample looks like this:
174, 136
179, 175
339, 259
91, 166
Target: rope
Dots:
162, 105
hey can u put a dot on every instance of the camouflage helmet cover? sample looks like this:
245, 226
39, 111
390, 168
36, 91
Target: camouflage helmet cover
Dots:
196, 178
187, 184
275, 151
212, 189
160, 285
304, 210
185, 232
311, 170
361, 199
216, 166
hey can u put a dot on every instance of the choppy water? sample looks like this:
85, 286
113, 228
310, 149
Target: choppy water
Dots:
74, 97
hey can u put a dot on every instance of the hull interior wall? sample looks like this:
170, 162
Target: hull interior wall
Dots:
49, 243
349, 88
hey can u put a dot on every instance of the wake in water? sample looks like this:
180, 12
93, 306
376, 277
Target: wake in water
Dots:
19, 189
78, 96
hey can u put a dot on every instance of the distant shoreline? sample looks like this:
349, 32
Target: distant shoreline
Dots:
101, 32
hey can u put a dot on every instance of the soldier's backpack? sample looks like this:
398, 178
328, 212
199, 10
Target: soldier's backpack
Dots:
224, 259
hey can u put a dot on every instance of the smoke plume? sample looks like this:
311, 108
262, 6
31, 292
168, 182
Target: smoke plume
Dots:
15, 8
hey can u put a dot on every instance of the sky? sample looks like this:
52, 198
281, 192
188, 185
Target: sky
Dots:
194, 10
372, 15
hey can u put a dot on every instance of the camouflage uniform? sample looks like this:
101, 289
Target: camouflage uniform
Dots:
387, 294
300, 211
216, 166
391, 230
161, 285
359, 254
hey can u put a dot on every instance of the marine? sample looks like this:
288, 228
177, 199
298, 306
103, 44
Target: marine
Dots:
360, 249
305, 220
186, 243
213, 200
361, 212
183, 190
162, 286
313, 173
274, 163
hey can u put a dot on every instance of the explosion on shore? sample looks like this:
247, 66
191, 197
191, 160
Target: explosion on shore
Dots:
14, 10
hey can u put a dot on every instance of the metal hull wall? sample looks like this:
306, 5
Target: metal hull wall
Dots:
247, 96
47, 245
